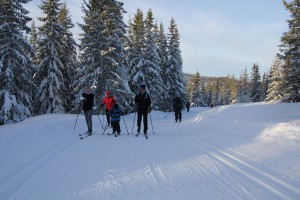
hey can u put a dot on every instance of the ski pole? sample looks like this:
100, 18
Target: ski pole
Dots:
100, 122
133, 122
125, 124
102, 110
151, 123
76, 121
168, 114
76, 118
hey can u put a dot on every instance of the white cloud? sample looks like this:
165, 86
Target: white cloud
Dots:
212, 41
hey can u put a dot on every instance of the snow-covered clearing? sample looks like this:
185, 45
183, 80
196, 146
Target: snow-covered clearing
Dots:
243, 151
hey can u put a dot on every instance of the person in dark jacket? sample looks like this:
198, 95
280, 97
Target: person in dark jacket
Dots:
188, 106
115, 114
143, 105
177, 106
88, 102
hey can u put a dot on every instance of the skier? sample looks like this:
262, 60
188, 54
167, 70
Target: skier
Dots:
88, 102
188, 106
108, 102
143, 105
115, 114
177, 106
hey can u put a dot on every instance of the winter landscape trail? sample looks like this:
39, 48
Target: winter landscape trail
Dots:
243, 151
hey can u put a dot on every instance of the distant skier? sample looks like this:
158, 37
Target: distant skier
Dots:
177, 106
115, 114
88, 102
187, 106
108, 102
143, 105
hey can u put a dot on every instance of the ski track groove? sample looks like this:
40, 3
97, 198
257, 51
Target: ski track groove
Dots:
267, 180
173, 177
12, 185
289, 172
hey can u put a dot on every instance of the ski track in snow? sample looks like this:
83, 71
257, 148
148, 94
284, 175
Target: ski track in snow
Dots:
219, 153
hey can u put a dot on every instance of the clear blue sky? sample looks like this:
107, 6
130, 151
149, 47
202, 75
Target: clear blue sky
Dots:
218, 37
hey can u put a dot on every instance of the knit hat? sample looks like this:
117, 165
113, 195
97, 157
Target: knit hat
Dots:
143, 86
116, 106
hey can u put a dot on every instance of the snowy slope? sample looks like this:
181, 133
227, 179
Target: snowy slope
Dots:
243, 151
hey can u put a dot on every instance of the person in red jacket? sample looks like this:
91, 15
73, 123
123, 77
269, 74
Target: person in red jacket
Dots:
109, 102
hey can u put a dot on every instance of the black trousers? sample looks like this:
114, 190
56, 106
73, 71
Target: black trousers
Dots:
108, 117
116, 126
143, 114
177, 115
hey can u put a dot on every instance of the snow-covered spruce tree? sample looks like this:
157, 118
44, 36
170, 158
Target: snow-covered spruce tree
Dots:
153, 79
264, 86
274, 92
209, 98
290, 53
227, 97
255, 84
33, 36
162, 44
90, 68
68, 56
242, 88
137, 51
198, 92
16, 86
173, 74
217, 93
50, 97
103, 53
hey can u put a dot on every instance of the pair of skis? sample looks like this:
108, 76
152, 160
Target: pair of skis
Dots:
146, 136
84, 135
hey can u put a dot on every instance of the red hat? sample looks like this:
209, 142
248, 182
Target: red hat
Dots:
107, 92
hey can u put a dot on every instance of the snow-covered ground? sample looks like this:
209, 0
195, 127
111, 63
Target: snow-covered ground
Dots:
243, 151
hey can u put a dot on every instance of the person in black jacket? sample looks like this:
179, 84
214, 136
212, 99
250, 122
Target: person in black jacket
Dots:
88, 102
143, 105
188, 106
177, 106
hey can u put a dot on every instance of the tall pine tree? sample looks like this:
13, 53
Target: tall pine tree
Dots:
290, 53
137, 51
255, 84
274, 92
103, 63
243, 88
174, 74
198, 92
50, 97
16, 87
69, 54
152, 68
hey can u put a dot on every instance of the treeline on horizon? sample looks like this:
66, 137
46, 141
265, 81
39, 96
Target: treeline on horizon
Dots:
43, 70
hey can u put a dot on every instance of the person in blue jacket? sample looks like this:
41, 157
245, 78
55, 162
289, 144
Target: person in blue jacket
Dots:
115, 114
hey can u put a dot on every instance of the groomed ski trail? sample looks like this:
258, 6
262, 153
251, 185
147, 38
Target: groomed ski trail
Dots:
212, 154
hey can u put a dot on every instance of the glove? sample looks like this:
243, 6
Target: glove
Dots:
81, 98
136, 105
149, 110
